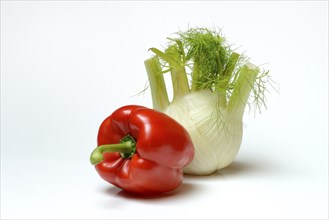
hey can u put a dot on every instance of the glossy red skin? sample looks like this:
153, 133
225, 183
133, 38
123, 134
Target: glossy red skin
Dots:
163, 147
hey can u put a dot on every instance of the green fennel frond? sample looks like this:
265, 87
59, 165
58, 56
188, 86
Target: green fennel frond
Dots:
211, 65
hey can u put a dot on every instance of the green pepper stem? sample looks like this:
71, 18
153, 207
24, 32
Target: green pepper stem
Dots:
127, 149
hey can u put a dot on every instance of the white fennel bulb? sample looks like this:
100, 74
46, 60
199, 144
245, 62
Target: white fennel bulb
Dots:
212, 104
215, 148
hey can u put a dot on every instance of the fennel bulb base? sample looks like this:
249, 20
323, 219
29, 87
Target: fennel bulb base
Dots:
216, 134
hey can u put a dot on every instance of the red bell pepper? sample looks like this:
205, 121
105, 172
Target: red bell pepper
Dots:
142, 150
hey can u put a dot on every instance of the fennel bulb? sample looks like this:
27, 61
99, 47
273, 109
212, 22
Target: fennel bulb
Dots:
211, 104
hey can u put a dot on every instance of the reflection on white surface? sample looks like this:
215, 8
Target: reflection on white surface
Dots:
62, 188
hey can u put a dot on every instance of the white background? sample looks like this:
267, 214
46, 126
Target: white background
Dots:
65, 66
